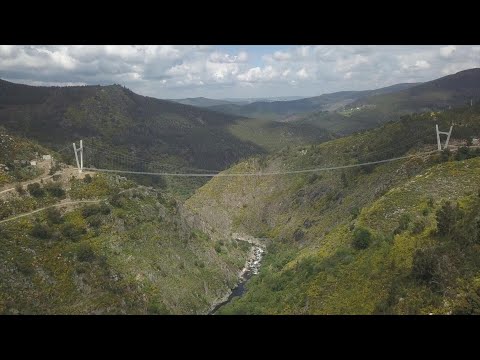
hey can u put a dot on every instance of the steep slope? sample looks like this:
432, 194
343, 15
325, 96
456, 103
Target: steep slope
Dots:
88, 243
126, 252
319, 224
286, 109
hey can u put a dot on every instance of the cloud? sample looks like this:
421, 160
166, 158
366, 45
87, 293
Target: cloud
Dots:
171, 71
447, 51
281, 56
422, 64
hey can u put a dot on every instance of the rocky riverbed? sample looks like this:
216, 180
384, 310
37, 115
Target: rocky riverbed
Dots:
251, 268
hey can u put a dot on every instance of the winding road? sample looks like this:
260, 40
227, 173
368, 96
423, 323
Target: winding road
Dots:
49, 207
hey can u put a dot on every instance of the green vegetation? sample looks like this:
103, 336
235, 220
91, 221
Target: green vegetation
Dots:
361, 238
115, 119
354, 243
124, 255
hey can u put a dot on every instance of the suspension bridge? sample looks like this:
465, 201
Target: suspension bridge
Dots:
101, 158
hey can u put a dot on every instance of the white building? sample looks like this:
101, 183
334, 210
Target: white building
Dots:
33, 162
47, 157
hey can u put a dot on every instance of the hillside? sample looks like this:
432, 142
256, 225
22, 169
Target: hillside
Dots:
101, 244
373, 110
155, 135
452, 90
144, 127
343, 241
283, 110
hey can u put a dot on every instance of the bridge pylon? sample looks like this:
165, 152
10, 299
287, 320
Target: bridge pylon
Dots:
445, 133
77, 151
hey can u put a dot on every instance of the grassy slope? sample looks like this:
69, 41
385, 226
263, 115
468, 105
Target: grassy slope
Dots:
311, 266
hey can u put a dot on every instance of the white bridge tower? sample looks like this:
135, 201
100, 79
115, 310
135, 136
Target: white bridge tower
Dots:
79, 150
445, 133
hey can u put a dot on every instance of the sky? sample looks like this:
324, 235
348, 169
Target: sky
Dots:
233, 71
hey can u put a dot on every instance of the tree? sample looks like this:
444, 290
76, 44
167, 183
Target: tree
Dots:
55, 189
35, 190
361, 238
54, 216
41, 231
72, 231
85, 253
424, 264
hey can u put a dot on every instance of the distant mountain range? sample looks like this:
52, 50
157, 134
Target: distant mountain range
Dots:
452, 90
281, 110
206, 102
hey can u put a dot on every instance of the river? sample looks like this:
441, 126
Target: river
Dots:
251, 268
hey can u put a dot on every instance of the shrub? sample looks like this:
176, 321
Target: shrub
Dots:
298, 235
41, 231
104, 209
361, 238
418, 227
118, 200
403, 223
424, 264
24, 266
355, 211
55, 189
90, 210
463, 153
87, 179
54, 216
431, 202
20, 189
73, 232
54, 169
85, 253
312, 178
445, 155
218, 248
446, 218
94, 221
35, 190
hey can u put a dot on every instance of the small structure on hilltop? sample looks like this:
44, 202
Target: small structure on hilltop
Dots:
47, 157
475, 141
33, 162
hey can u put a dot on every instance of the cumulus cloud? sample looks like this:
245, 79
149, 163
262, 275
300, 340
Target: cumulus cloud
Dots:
169, 71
